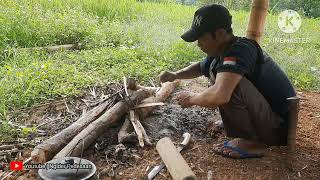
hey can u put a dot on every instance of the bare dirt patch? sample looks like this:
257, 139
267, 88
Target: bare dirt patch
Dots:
129, 161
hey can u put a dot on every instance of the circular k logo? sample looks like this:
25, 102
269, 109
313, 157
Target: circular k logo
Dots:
289, 21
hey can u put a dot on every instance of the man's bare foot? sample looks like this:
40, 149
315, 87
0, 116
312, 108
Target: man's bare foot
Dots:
240, 148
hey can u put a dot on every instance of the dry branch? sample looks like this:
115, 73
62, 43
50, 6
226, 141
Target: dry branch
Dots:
87, 136
144, 134
134, 118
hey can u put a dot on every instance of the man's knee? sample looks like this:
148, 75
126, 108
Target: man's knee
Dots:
238, 94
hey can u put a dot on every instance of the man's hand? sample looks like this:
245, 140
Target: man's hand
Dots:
166, 76
184, 99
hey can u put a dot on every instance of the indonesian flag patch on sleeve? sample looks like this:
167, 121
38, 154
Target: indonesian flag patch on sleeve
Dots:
229, 60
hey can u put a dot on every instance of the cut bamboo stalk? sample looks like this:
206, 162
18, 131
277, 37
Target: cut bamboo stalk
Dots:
176, 165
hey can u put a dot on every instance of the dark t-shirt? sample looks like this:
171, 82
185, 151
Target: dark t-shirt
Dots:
246, 58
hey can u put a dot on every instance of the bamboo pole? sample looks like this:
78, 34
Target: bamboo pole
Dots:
257, 19
56, 48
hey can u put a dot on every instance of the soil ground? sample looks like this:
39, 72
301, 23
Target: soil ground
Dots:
115, 161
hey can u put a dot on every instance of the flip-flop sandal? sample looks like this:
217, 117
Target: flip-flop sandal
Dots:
243, 154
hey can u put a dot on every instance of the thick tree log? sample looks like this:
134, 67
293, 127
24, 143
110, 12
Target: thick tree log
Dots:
87, 136
46, 150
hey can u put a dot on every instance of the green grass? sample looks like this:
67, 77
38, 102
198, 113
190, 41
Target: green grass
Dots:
120, 37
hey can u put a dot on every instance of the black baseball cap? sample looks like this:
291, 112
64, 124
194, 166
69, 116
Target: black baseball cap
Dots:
207, 19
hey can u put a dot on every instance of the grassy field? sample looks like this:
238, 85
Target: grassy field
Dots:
120, 37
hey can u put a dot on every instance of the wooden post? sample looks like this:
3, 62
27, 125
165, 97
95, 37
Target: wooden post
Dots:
293, 103
257, 19
293, 121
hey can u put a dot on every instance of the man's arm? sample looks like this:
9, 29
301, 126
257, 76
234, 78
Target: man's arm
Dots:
218, 94
189, 72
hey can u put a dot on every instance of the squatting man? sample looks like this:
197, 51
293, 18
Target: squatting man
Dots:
247, 86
